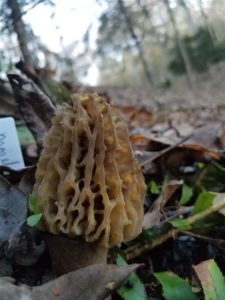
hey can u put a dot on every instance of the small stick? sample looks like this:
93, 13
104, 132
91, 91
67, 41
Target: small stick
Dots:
133, 252
160, 153
218, 242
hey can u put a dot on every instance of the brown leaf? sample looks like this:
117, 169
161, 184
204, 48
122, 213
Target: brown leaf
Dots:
24, 247
13, 208
24, 178
202, 270
152, 218
35, 107
94, 282
206, 136
203, 139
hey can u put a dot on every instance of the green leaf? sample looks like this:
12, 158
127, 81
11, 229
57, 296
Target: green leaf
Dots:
186, 194
174, 287
34, 219
25, 136
203, 202
134, 289
200, 165
211, 279
153, 187
180, 223
10, 66
32, 204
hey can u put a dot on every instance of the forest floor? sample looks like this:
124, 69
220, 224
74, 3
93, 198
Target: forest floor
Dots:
208, 90
178, 137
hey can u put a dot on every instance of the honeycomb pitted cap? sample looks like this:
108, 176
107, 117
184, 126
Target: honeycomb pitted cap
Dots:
88, 183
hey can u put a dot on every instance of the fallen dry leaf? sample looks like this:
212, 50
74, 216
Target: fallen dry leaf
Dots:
94, 282
211, 279
13, 208
217, 200
24, 246
90, 283
35, 107
152, 218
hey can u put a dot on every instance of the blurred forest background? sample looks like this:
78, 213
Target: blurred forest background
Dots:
161, 50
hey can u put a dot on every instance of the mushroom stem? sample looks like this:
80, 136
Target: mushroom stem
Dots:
68, 254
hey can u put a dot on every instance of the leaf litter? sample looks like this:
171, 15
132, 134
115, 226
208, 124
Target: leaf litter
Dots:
181, 151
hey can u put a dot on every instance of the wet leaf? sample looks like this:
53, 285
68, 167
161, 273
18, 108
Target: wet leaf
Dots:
134, 288
174, 287
211, 279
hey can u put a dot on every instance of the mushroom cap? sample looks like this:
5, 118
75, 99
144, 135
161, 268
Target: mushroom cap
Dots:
88, 183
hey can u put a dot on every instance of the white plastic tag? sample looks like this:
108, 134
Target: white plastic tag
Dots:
10, 151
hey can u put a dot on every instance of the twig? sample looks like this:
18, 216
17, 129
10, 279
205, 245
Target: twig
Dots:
131, 253
179, 212
218, 242
160, 153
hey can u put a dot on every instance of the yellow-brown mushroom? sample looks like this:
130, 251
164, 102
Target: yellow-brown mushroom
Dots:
88, 183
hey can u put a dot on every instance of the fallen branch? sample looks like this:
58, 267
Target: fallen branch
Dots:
141, 248
160, 153
218, 242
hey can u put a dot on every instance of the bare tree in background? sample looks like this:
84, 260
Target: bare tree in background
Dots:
19, 28
138, 45
181, 46
205, 20
188, 16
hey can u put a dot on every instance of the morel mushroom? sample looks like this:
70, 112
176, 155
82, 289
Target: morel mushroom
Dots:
88, 183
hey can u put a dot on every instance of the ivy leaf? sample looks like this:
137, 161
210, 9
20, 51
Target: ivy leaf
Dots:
134, 288
174, 287
34, 219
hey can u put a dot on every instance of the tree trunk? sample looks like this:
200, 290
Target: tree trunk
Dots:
181, 46
188, 16
20, 29
138, 45
205, 21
